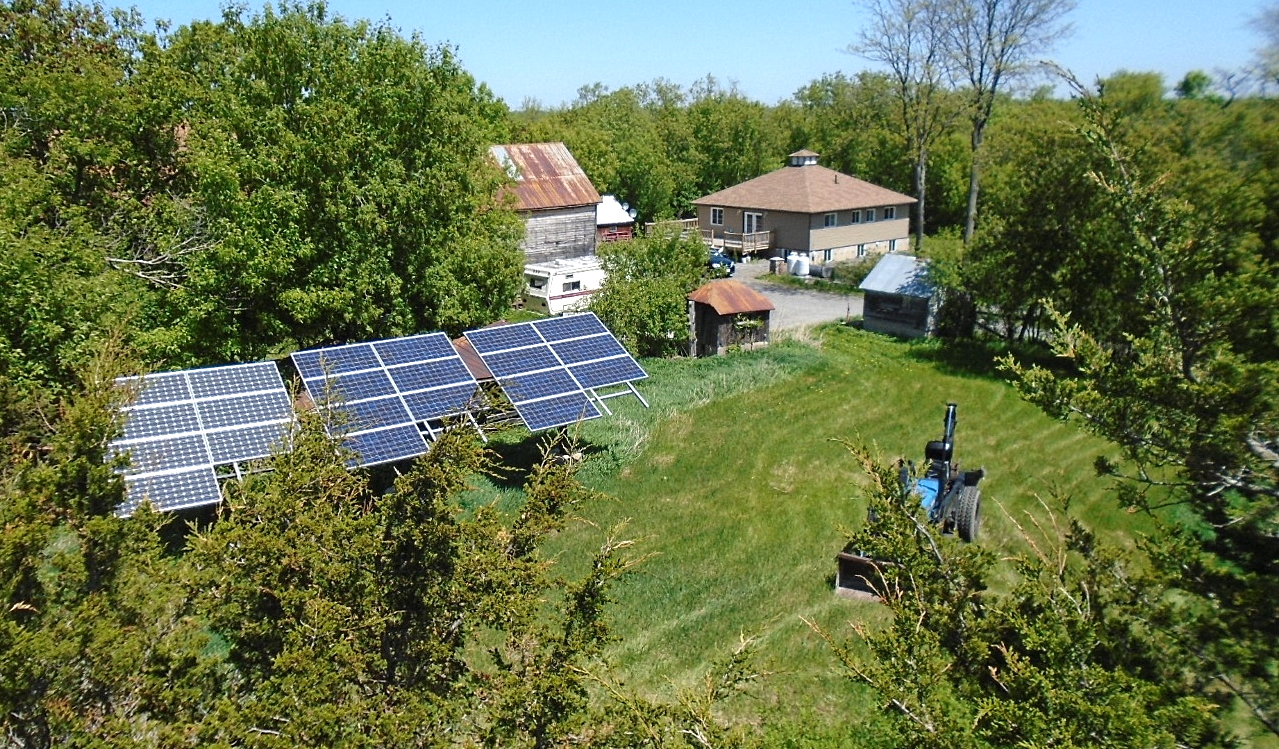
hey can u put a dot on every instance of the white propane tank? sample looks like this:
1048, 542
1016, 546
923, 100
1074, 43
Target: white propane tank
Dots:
790, 262
801, 266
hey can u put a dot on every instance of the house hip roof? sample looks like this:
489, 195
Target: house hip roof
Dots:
729, 297
811, 188
545, 175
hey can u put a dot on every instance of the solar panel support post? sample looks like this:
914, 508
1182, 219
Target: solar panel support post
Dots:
600, 400
471, 418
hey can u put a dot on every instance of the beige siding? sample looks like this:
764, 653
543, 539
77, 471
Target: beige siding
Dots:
855, 234
559, 233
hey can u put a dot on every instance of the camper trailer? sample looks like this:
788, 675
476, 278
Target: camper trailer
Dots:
563, 285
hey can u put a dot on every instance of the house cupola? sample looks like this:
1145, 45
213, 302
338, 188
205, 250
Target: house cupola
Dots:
802, 158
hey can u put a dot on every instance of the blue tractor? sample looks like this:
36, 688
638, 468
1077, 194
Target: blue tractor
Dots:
950, 496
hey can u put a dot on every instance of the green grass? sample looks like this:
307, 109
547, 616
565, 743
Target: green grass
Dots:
736, 482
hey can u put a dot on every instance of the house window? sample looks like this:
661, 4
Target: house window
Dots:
857, 217
831, 219
573, 286
717, 217
826, 256
890, 212
751, 222
861, 250
870, 215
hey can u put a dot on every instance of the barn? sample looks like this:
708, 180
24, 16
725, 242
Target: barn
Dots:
728, 313
901, 300
555, 198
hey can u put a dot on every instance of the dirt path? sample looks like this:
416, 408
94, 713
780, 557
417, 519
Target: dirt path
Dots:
796, 307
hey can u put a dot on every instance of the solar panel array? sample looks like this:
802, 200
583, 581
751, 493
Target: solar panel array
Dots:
550, 368
381, 391
183, 424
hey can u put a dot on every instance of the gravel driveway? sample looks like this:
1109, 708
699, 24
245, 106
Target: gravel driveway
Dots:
797, 308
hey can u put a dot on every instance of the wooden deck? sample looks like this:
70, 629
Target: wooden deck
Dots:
755, 244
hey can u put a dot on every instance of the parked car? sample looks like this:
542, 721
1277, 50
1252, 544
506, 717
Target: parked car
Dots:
721, 264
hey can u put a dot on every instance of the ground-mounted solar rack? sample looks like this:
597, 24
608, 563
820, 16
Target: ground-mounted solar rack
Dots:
184, 430
558, 371
390, 397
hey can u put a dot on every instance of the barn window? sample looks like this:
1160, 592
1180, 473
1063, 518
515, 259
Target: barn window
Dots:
717, 217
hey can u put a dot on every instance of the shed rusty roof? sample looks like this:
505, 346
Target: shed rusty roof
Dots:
545, 176
729, 297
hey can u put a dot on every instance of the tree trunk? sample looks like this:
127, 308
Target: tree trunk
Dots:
974, 181
921, 175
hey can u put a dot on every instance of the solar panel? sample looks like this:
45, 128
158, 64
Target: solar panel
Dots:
171, 491
180, 425
384, 389
559, 411
549, 369
385, 445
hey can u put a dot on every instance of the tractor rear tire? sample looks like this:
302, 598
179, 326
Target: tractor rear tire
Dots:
968, 513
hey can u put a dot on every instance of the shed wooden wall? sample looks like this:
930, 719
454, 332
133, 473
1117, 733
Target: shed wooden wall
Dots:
895, 314
714, 332
559, 233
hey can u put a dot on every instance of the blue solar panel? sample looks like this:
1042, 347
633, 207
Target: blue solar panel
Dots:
233, 380
161, 455
185, 423
570, 326
246, 443
158, 388
244, 410
317, 363
598, 374
588, 349
372, 414
352, 387
506, 363
503, 337
558, 411
433, 374
171, 491
418, 348
527, 387
160, 421
436, 404
386, 445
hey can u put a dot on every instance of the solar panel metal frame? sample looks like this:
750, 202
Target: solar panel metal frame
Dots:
168, 426
392, 363
523, 356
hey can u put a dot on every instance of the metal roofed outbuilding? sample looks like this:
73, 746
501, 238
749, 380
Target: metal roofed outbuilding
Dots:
901, 299
728, 313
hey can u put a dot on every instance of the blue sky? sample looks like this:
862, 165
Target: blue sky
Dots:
547, 50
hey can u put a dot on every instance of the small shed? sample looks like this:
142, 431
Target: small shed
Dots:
728, 313
614, 221
901, 300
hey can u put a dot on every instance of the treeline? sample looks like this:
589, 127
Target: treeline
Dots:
238, 188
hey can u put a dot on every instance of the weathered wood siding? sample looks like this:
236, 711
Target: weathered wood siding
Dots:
899, 315
714, 332
559, 233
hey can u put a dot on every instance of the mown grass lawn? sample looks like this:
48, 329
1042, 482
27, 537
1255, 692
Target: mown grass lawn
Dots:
736, 481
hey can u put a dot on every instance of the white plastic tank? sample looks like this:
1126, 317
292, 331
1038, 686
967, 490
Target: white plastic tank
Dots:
800, 268
791, 259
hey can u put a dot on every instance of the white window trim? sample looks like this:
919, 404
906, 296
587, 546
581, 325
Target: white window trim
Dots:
890, 213
870, 215
857, 217
830, 220
721, 217
759, 221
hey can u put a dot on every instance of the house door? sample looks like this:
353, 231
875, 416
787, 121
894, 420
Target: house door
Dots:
751, 222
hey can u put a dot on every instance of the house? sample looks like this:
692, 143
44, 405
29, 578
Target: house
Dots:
900, 298
555, 197
562, 285
728, 313
614, 221
806, 208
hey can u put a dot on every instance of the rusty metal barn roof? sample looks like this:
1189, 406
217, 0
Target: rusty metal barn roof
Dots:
729, 297
545, 176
